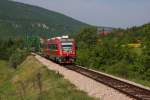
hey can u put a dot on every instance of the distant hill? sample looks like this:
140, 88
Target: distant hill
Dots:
16, 19
137, 32
140, 30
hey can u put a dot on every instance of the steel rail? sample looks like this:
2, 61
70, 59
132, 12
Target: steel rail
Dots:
129, 89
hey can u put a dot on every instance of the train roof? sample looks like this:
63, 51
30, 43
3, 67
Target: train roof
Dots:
62, 39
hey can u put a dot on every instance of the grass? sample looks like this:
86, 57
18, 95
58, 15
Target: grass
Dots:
6, 73
32, 81
124, 71
138, 51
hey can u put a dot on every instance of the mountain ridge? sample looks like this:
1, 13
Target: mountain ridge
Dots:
16, 19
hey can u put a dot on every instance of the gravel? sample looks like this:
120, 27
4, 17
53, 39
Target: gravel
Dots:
83, 83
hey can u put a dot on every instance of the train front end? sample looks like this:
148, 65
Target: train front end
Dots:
68, 50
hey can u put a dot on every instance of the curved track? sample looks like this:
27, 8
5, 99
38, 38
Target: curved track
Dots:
131, 90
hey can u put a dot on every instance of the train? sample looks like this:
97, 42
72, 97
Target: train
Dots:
59, 49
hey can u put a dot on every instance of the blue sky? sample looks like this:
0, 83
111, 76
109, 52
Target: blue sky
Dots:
113, 13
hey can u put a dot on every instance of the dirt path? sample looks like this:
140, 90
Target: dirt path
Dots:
84, 83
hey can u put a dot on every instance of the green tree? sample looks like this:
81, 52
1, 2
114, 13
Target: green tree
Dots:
88, 36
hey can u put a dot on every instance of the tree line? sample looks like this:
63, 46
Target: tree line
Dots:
112, 55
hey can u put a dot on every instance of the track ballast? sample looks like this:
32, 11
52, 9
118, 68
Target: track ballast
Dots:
124, 87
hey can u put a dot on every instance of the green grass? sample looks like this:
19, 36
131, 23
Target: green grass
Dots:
138, 51
125, 71
140, 81
6, 73
24, 83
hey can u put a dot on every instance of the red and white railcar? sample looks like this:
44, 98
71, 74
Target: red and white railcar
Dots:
59, 49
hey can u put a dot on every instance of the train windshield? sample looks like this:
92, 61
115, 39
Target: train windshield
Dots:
67, 46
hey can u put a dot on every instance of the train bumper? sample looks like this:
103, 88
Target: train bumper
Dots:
66, 59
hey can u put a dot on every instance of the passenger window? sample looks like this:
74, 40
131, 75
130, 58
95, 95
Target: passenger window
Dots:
53, 47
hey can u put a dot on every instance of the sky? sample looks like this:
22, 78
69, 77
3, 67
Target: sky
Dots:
112, 13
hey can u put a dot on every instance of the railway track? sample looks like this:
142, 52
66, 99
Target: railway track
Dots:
131, 90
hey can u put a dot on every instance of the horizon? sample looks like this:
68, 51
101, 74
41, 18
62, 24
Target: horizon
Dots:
100, 13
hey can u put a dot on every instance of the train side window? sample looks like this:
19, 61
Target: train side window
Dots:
53, 47
50, 46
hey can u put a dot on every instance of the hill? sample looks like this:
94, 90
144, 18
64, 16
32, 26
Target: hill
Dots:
16, 19
141, 31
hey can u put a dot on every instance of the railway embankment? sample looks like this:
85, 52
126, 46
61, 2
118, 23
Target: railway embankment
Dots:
33, 81
92, 87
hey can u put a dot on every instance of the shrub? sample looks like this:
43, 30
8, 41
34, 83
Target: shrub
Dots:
17, 57
121, 69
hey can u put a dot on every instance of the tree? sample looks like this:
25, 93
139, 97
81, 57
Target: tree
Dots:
88, 36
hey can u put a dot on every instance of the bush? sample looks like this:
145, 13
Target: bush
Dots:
121, 69
7, 47
83, 57
17, 57
88, 36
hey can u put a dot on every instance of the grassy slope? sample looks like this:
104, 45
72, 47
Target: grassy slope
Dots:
16, 19
23, 83
6, 74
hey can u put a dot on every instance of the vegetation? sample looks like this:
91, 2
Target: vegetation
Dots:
33, 81
8, 47
12, 51
17, 19
17, 58
112, 54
